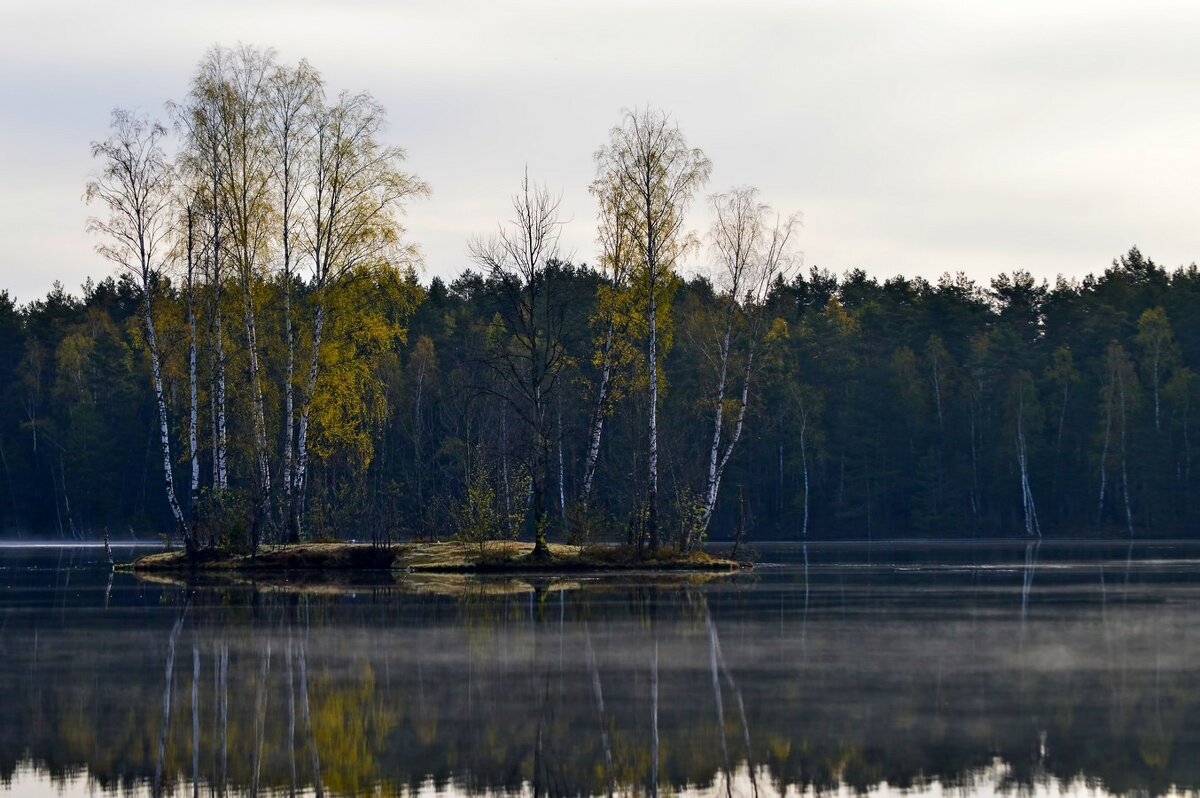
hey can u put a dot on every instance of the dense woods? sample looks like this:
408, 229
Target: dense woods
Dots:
267, 364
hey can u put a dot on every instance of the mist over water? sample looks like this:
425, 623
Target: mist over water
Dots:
982, 669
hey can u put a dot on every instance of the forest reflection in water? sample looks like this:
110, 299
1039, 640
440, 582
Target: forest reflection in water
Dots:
987, 669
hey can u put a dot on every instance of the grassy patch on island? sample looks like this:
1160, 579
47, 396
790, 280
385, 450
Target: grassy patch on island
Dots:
448, 557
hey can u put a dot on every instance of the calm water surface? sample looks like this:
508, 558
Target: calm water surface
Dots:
845, 670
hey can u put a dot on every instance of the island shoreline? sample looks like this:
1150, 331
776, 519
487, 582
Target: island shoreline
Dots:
497, 557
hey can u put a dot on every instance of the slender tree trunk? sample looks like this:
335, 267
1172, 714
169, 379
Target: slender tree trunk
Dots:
221, 438
193, 401
302, 437
652, 457
262, 511
562, 486
212, 408
181, 527
504, 467
541, 470
289, 400
598, 413
712, 482
717, 469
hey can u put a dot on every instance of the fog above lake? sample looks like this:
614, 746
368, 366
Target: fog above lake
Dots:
979, 669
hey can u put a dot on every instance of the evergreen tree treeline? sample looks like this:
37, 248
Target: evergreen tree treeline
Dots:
897, 408
312, 387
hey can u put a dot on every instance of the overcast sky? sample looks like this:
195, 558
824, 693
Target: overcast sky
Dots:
915, 137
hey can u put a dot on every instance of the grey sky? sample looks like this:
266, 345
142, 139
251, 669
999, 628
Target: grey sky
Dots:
915, 137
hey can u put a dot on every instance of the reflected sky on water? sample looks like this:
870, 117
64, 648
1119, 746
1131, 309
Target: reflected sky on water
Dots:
966, 669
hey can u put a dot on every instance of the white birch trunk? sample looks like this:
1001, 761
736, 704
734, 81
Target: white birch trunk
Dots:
717, 469
193, 406
652, 458
302, 436
562, 486
259, 422
289, 406
220, 435
181, 527
193, 410
598, 413
712, 482
222, 445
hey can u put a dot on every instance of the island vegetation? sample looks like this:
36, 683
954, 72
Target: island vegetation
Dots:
450, 557
265, 364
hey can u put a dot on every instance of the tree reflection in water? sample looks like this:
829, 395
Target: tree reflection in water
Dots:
824, 677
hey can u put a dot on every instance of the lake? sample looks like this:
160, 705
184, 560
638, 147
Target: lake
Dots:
830, 669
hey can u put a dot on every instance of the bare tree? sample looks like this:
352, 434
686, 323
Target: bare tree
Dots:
133, 190
528, 356
750, 253
656, 175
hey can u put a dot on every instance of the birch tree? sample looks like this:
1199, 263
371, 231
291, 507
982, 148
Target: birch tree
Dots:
200, 119
293, 95
191, 256
750, 252
614, 319
133, 192
247, 203
350, 224
657, 176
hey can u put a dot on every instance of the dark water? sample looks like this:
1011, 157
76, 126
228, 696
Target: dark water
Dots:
973, 669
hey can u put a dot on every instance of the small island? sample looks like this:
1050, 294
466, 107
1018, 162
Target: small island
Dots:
495, 557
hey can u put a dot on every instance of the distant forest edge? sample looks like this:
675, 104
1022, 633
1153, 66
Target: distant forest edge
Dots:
266, 366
